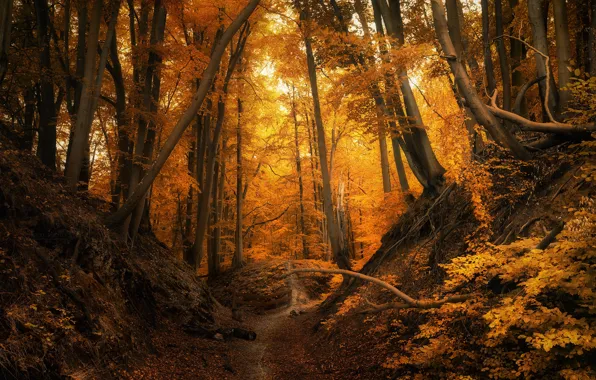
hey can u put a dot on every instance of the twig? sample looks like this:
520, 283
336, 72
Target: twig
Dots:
427, 102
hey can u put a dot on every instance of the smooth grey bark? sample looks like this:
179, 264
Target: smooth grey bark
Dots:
190, 113
563, 51
339, 254
480, 110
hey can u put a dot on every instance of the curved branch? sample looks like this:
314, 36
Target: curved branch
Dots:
409, 301
522, 93
534, 126
547, 68
265, 221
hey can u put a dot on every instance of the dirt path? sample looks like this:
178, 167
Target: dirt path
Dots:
261, 359
279, 352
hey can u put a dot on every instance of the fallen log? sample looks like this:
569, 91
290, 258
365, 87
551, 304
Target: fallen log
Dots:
409, 301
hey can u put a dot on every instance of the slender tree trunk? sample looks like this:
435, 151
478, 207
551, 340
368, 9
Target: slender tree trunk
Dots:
484, 117
563, 53
517, 52
384, 158
339, 254
431, 171
305, 253
592, 41
491, 83
218, 190
151, 101
453, 22
503, 60
90, 93
190, 113
238, 260
5, 27
191, 170
537, 16
399, 166
46, 145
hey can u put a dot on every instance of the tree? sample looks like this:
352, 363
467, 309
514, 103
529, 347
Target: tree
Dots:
339, 253
208, 75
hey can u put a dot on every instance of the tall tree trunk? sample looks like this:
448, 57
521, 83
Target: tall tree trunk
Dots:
90, 92
338, 253
503, 60
202, 215
238, 260
192, 152
592, 41
491, 84
5, 27
124, 144
399, 166
217, 194
187, 117
151, 101
46, 144
484, 117
537, 16
384, 157
517, 52
305, 253
431, 171
453, 22
563, 53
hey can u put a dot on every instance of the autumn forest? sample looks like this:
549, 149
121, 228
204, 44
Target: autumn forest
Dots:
297, 189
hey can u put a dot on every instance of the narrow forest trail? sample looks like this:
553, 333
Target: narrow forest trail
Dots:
280, 350
279, 332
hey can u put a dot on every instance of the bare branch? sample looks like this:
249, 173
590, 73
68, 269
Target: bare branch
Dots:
522, 93
529, 125
547, 67
409, 301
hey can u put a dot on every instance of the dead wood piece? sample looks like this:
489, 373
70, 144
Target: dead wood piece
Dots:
550, 237
409, 301
528, 224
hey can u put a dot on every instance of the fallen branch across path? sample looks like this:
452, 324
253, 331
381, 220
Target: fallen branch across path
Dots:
409, 301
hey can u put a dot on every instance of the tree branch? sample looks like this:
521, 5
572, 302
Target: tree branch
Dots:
265, 222
409, 301
522, 93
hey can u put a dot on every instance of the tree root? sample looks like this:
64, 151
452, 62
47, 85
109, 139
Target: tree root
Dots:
63, 289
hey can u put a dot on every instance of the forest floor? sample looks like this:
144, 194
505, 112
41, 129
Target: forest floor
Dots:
280, 351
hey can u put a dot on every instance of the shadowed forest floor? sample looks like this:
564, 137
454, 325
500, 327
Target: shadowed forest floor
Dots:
280, 350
